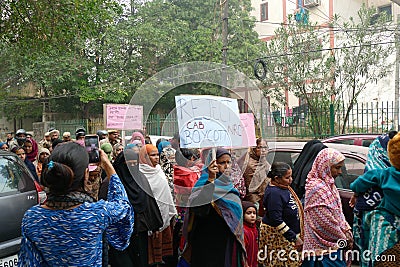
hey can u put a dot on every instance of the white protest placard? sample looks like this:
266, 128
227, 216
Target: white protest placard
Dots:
124, 116
208, 121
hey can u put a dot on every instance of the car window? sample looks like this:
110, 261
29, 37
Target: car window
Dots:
344, 141
13, 177
282, 156
367, 142
350, 171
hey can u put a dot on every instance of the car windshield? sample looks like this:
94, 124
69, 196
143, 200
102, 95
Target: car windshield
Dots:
13, 177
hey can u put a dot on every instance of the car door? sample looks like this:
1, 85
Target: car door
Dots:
17, 194
353, 168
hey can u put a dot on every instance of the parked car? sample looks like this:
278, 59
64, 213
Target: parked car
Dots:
352, 139
356, 156
18, 192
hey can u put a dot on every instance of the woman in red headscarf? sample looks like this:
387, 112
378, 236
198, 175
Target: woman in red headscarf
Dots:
160, 242
31, 149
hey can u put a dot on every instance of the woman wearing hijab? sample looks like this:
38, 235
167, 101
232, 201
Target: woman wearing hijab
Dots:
214, 227
377, 158
326, 231
255, 168
43, 154
4, 146
167, 162
31, 149
138, 136
302, 165
381, 226
147, 214
160, 242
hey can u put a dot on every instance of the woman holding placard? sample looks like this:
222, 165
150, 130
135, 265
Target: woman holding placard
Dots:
214, 227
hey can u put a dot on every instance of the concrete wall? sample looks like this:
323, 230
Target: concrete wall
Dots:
8, 126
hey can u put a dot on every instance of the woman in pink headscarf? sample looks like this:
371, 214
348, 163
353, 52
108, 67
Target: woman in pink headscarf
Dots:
326, 231
137, 136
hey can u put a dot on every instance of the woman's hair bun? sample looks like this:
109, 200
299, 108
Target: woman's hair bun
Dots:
57, 177
278, 169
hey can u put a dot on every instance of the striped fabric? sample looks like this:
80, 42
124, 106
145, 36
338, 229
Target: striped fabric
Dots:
324, 223
382, 230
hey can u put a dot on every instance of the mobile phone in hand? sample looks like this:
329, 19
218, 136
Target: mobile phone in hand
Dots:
92, 147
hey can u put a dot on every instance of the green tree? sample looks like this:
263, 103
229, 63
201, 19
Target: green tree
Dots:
295, 62
94, 53
299, 60
45, 43
368, 42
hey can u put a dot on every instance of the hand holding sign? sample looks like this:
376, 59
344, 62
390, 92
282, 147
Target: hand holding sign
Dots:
208, 121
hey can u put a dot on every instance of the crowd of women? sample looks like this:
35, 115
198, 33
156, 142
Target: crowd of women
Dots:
162, 205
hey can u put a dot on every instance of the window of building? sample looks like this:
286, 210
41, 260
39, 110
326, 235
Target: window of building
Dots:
264, 11
386, 9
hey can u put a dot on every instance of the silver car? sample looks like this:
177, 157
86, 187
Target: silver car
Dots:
18, 192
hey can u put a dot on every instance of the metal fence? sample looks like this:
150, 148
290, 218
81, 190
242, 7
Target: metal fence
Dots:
302, 122
298, 122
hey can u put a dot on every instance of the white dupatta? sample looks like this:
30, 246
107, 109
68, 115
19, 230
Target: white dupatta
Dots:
161, 192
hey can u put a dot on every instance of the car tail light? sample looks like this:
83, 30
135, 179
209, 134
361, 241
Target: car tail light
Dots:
41, 193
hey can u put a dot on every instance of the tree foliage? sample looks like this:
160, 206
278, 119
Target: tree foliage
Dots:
368, 42
93, 51
295, 62
299, 59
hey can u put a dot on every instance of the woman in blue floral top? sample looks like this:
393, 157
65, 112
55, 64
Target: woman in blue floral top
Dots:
67, 230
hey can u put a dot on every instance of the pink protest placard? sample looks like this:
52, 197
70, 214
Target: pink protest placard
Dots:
248, 129
124, 117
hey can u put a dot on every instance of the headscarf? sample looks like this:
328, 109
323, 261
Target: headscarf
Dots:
136, 134
325, 223
158, 184
302, 165
115, 147
108, 149
222, 151
255, 171
226, 198
43, 150
248, 204
147, 214
136, 185
377, 157
35, 149
39, 165
162, 145
132, 145
167, 161
144, 152
237, 178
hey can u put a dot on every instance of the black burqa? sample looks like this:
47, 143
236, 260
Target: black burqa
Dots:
302, 165
147, 213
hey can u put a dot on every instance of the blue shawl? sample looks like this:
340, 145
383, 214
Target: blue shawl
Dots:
227, 201
377, 158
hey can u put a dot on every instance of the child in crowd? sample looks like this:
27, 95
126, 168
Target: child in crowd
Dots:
250, 232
